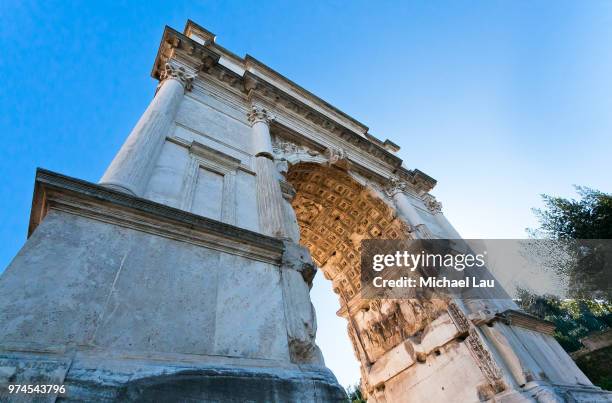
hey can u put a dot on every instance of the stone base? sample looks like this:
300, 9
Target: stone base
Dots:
122, 299
95, 377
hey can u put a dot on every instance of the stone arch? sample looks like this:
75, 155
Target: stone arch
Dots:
335, 211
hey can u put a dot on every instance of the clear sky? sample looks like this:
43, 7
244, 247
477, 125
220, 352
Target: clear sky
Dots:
498, 100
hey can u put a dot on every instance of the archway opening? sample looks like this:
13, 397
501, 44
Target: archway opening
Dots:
335, 212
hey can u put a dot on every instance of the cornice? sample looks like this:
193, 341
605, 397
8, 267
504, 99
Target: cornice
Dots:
54, 191
251, 62
276, 96
173, 40
206, 58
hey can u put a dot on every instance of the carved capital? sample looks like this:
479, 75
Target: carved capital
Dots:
259, 114
394, 186
172, 72
432, 204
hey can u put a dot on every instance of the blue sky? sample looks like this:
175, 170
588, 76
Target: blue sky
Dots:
499, 101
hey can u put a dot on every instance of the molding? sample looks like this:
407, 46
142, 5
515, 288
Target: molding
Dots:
206, 59
54, 191
210, 154
267, 73
204, 157
180, 141
278, 97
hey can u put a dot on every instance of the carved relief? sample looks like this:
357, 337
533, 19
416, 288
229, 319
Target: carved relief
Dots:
335, 213
459, 319
386, 323
282, 149
484, 360
337, 156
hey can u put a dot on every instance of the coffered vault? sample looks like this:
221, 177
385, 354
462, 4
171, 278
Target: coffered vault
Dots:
184, 274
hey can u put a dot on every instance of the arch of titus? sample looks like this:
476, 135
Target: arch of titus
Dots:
185, 272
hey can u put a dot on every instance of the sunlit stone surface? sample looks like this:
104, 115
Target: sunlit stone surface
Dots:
185, 273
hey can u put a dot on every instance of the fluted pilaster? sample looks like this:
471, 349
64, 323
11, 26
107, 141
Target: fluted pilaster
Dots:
406, 210
269, 194
132, 167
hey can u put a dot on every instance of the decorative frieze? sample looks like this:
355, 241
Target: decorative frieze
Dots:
483, 359
459, 318
340, 126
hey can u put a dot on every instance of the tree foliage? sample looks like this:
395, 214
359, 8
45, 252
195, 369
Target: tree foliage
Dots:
583, 228
574, 319
589, 217
355, 395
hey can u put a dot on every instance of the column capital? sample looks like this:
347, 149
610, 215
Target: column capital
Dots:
259, 114
432, 204
394, 186
171, 71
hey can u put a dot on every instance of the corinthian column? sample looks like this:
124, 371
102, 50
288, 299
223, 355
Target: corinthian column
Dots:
406, 210
269, 195
131, 168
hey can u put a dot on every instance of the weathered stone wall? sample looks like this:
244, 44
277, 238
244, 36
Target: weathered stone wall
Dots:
81, 282
180, 276
120, 298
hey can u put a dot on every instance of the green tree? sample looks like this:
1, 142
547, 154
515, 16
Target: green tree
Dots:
354, 394
583, 228
589, 217
574, 319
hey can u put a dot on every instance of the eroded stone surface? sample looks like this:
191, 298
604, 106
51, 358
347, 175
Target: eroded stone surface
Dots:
199, 290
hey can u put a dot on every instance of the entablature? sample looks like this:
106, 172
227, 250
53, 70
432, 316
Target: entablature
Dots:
254, 80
